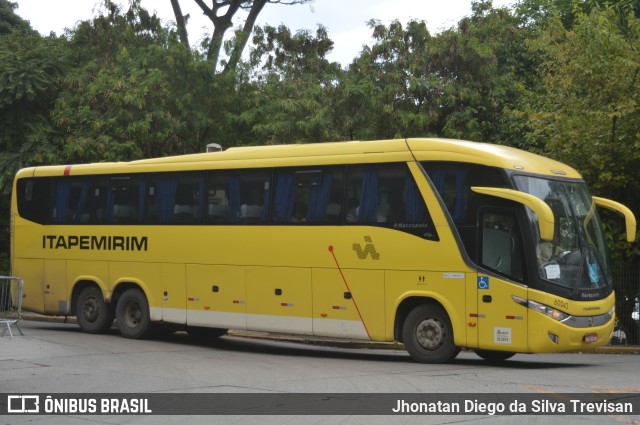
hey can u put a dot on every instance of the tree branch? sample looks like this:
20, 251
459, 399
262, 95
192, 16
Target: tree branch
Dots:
223, 22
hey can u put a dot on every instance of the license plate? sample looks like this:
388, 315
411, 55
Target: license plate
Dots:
590, 337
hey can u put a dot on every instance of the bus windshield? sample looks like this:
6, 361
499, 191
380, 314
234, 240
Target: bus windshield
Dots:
576, 258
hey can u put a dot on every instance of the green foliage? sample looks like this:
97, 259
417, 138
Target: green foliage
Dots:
29, 83
541, 13
9, 21
293, 86
30, 67
589, 110
389, 90
455, 84
135, 92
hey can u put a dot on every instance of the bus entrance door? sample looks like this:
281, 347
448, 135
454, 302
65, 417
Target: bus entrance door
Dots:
502, 323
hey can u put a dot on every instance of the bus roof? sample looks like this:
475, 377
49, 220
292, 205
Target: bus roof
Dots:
398, 150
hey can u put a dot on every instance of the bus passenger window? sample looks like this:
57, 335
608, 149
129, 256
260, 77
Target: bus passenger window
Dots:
175, 198
71, 201
218, 199
308, 195
124, 200
386, 195
238, 197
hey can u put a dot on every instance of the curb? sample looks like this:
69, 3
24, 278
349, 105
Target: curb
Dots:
328, 342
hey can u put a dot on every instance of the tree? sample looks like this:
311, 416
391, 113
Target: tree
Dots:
455, 84
391, 89
590, 107
540, 13
9, 21
135, 92
221, 14
30, 71
293, 93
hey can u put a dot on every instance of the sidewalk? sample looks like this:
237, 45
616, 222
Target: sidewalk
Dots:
328, 342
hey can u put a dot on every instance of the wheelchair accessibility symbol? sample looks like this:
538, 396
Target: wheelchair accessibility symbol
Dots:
483, 282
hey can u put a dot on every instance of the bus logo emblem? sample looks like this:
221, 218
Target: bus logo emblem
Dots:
369, 249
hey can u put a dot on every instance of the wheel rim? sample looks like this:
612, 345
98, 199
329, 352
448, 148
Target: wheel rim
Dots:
91, 309
430, 334
132, 314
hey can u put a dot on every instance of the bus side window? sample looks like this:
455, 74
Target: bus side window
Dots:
34, 197
218, 202
71, 201
175, 198
386, 195
253, 197
375, 193
453, 188
238, 197
308, 195
119, 199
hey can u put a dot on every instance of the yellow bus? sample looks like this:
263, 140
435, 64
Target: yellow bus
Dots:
438, 244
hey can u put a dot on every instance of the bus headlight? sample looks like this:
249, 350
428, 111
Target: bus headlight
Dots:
541, 308
549, 311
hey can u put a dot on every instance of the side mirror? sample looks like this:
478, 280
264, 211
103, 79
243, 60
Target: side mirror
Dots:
629, 218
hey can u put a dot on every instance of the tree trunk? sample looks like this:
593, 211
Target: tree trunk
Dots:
180, 23
243, 37
220, 26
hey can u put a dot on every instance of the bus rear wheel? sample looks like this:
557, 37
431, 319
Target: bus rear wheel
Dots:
132, 315
93, 314
428, 335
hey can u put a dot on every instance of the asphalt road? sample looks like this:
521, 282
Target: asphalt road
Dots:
57, 358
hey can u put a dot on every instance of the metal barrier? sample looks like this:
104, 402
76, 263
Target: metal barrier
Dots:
10, 304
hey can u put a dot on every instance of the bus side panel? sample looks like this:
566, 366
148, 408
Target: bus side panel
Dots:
85, 270
32, 272
446, 288
279, 299
173, 293
351, 309
55, 287
216, 296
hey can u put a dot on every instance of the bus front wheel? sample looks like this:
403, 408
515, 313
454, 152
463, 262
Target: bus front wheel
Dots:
132, 314
428, 335
94, 315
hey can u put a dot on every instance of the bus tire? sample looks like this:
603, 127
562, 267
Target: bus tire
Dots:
494, 356
132, 315
428, 335
93, 314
